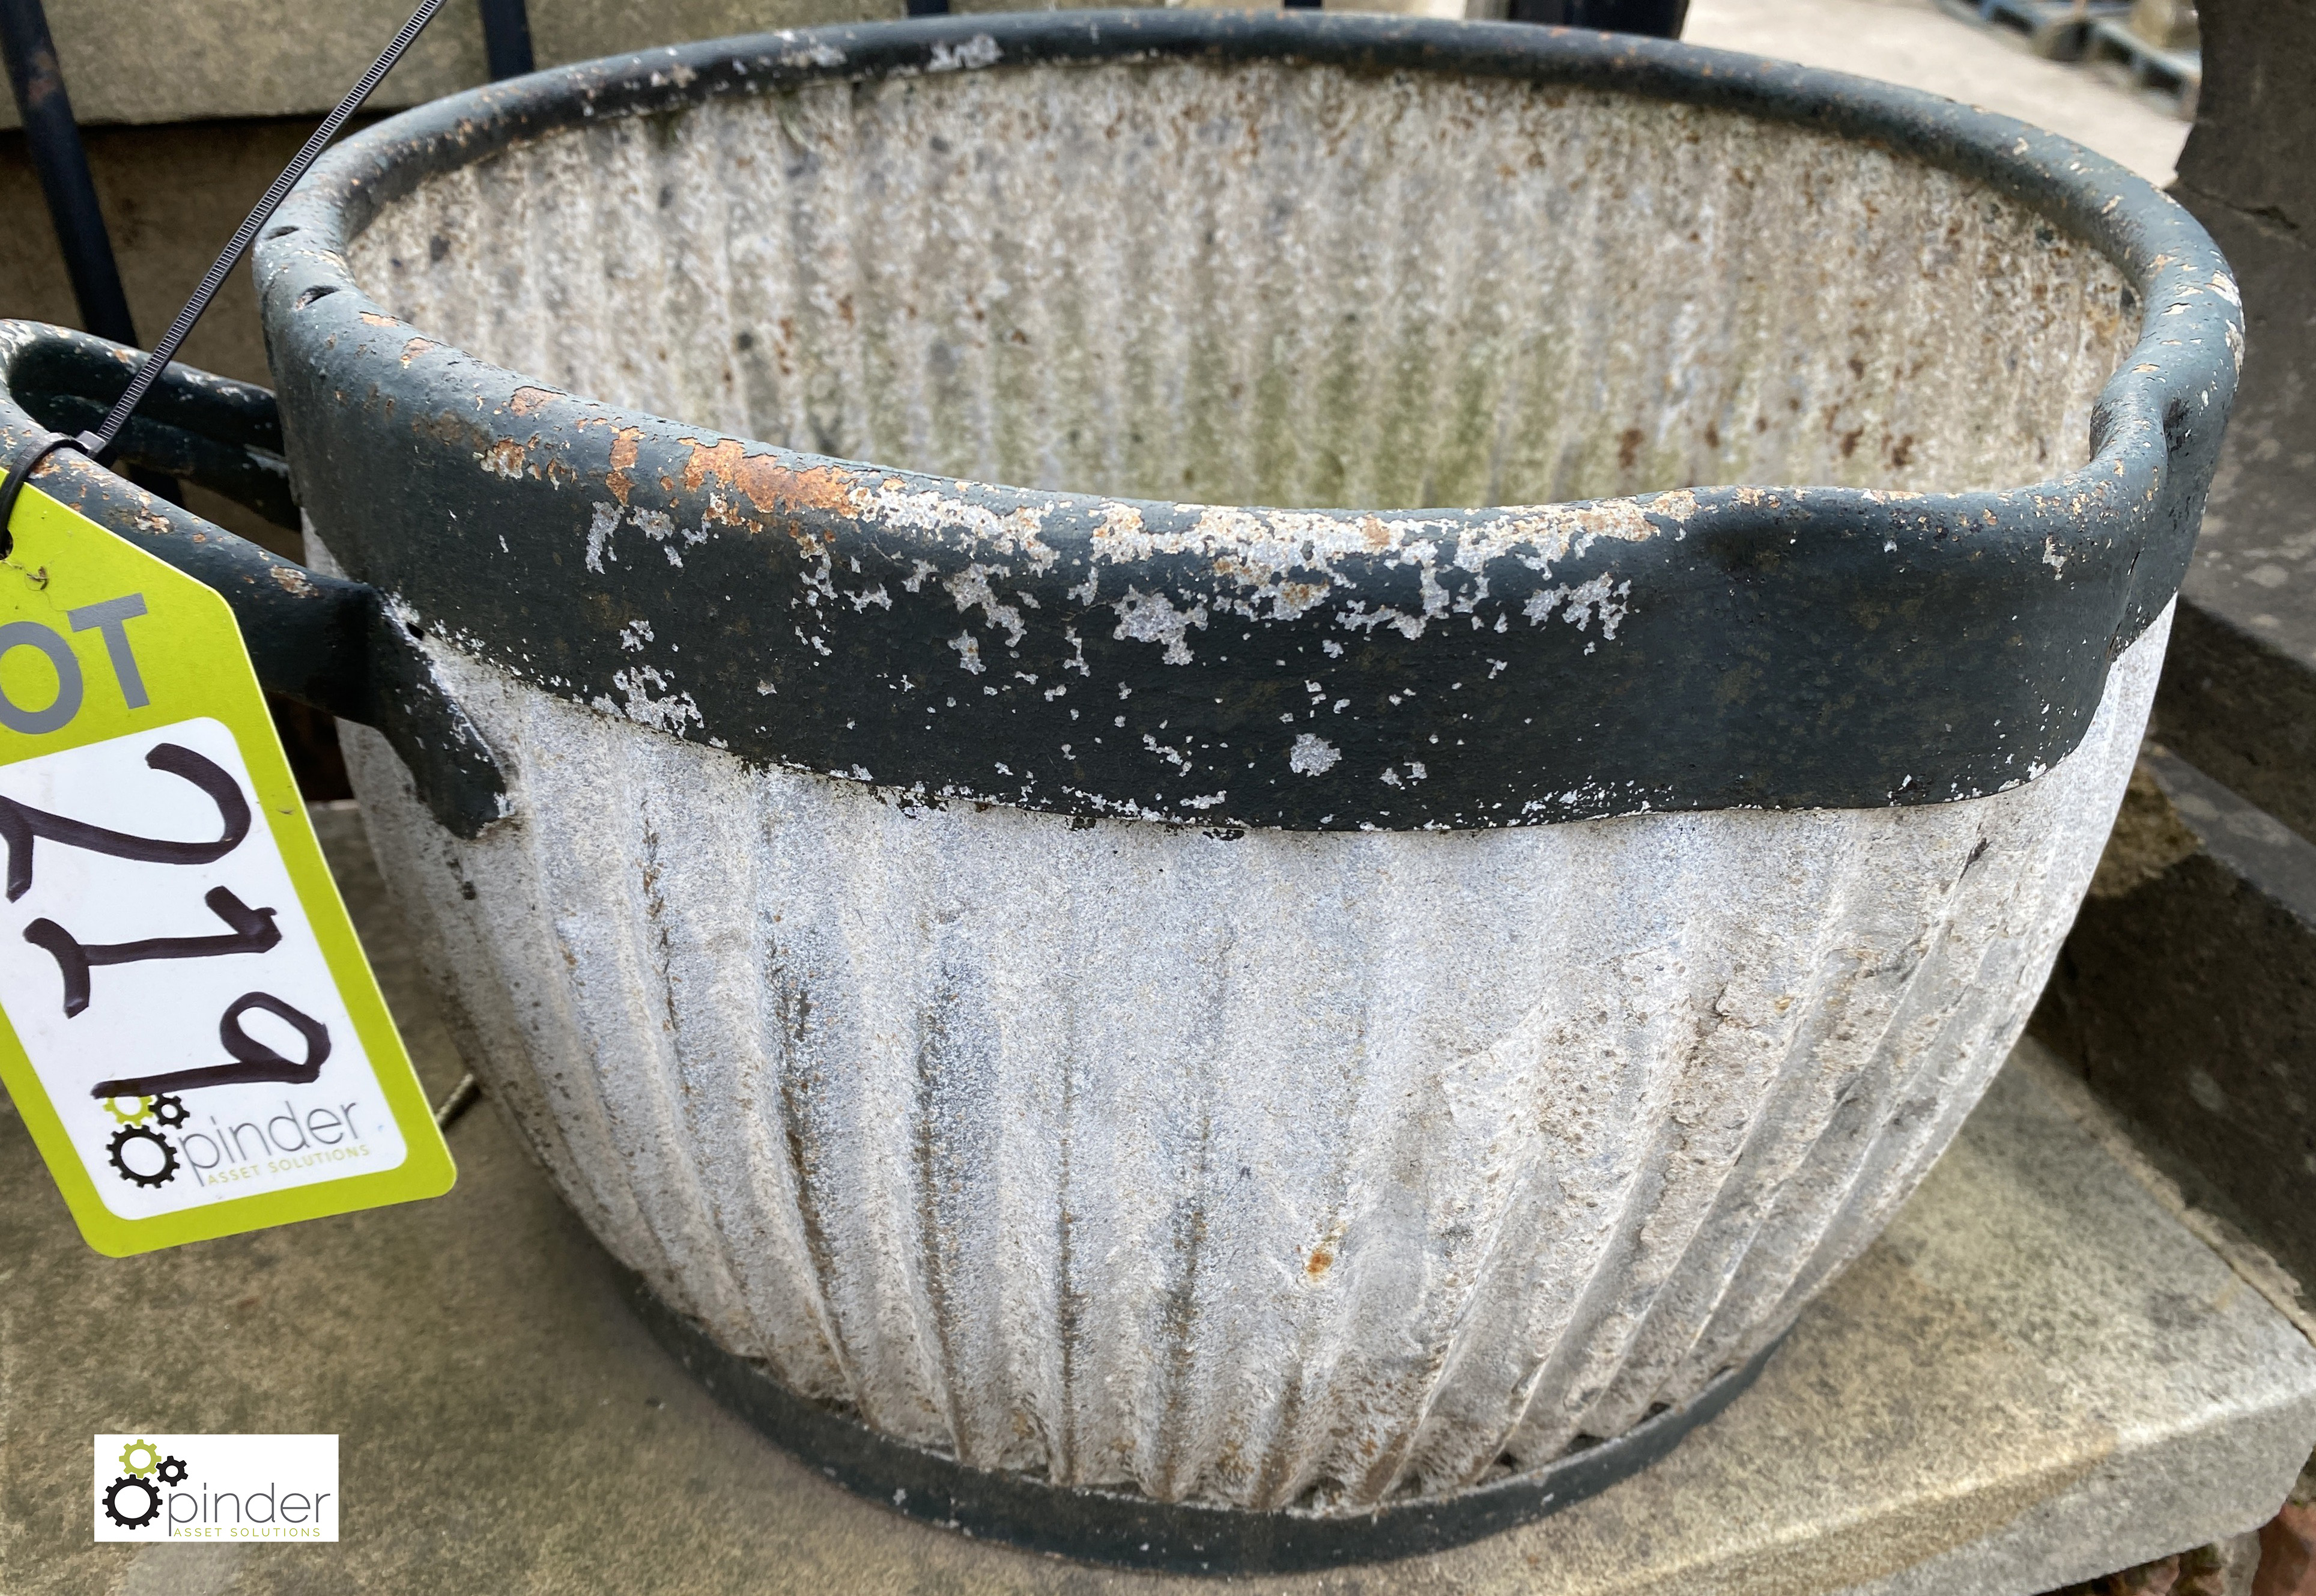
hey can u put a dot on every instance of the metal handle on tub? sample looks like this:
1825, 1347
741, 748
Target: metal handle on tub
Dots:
323, 640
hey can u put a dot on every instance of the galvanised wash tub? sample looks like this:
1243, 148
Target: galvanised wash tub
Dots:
1201, 1035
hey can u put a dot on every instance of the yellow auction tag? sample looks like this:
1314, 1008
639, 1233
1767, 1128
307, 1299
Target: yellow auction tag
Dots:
191, 1030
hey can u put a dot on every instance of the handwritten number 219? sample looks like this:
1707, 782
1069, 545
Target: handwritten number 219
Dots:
249, 931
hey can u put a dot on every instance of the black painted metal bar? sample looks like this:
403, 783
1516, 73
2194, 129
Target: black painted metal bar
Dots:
1659, 19
506, 39
53, 138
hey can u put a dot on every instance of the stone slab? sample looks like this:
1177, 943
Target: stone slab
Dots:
191, 60
2038, 1375
2186, 996
149, 61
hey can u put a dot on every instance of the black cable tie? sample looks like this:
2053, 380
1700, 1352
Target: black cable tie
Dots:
35, 448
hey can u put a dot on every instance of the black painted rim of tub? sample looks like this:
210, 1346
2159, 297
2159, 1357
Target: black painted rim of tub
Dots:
1771, 648
1125, 1531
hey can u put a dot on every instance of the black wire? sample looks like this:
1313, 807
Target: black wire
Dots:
95, 444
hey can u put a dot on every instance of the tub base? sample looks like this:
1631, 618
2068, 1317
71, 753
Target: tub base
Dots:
1135, 1532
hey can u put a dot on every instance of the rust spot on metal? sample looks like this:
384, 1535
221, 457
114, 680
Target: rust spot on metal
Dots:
504, 458
624, 444
768, 484
529, 401
289, 579
376, 320
416, 347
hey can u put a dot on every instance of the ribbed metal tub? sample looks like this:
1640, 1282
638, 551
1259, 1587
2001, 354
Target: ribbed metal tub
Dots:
1266, 1022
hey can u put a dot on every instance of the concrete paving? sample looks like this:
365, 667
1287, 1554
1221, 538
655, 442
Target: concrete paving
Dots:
1912, 42
1915, 43
2037, 1375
